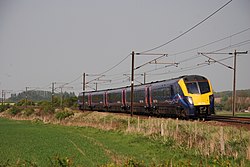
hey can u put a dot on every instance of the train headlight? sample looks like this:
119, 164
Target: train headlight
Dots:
190, 100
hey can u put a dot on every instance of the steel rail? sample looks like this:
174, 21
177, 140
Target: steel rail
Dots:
241, 120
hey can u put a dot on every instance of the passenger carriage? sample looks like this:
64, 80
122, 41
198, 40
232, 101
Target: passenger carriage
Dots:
186, 96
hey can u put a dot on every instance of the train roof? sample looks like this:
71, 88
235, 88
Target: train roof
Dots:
194, 78
185, 77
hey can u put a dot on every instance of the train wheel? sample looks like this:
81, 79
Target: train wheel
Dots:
183, 114
151, 113
178, 112
155, 111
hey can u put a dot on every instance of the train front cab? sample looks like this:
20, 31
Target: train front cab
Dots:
198, 96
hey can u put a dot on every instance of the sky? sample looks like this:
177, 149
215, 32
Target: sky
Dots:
45, 41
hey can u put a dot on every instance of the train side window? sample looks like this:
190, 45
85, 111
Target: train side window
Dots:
167, 93
86, 99
128, 96
157, 94
99, 97
171, 91
110, 97
114, 97
139, 95
178, 89
95, 98
161, 94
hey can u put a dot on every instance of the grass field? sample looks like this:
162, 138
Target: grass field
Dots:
40, 144
33, 143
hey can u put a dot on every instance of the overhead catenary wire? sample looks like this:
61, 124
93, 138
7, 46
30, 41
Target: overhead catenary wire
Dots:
210, 43
67, 83
185, 60
187, 31
181, 61
189, 50
198, 56
102, 74
242, 43
121, 79
163, 55
202, 46
115, 65
192, 67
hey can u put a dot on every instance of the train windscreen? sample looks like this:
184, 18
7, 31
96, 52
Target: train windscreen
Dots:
204, 87
198, 87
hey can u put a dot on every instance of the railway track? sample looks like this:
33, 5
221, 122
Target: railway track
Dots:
226, 119
219, 118
239, 120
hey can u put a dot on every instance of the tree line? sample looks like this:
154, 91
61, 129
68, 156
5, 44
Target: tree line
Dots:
224, 100
41, 99
37, 95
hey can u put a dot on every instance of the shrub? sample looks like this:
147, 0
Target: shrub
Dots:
70, 102
46, 106
14, 110
4, 107
63, 114
23, 103
28, 111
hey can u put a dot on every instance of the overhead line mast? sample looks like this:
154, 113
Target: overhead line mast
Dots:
132, 73
132, 84
234, 80
235, 53
83, 89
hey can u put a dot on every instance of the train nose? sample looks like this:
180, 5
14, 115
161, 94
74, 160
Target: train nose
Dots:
201, 100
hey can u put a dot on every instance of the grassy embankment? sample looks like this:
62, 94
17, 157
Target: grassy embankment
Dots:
105, 138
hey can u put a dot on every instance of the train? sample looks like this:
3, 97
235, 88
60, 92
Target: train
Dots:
188, 96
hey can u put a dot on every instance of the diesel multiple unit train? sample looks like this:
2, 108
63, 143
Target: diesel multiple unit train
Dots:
189, 96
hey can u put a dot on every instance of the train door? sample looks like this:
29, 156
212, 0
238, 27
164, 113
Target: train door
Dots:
148, 99
172, 91
124, 98
105, 100
90, 100
83, 102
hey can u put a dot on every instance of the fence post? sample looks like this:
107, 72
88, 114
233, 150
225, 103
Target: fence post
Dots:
248, 153
222, 142
104, 121
177, 128
195, 131
150, 125
128, 124
111, 123
138, 124
162, 129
